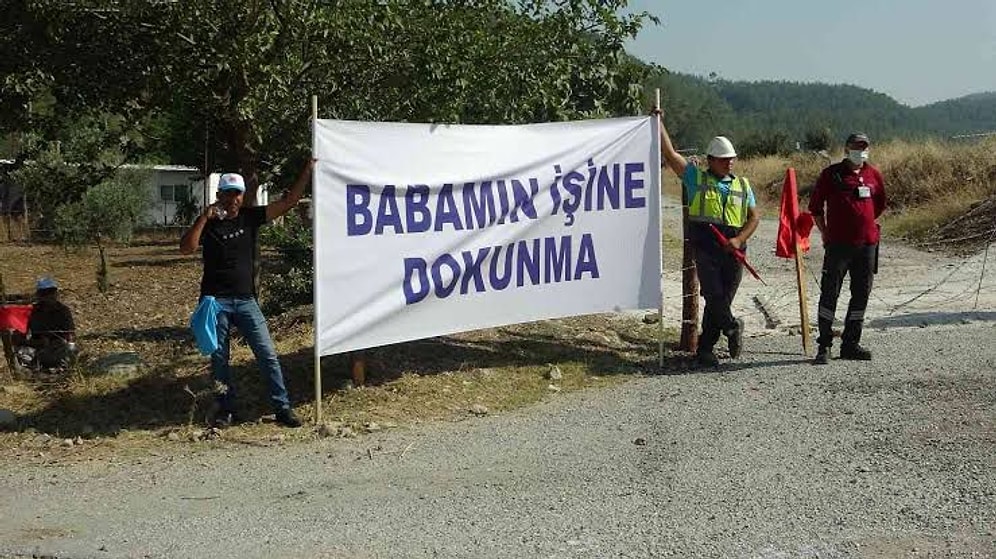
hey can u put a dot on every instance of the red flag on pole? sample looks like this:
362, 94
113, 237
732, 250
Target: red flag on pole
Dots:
793, 226
737, 253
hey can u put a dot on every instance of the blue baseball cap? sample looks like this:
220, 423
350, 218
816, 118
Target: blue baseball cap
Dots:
46, 283
231, 181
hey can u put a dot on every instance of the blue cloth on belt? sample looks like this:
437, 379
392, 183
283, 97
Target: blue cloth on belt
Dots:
204, 323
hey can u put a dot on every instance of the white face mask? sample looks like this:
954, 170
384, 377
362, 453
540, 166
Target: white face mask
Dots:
857, 156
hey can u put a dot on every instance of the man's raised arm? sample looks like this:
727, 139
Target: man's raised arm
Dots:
674, 160
286, 203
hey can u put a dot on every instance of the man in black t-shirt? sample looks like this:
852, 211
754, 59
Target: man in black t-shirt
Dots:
228, 234
51, 329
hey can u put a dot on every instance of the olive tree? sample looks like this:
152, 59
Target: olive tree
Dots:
109, 211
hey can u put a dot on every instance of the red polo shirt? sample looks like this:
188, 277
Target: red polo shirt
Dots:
853, 200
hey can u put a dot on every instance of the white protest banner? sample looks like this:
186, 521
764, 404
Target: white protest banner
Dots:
424, 229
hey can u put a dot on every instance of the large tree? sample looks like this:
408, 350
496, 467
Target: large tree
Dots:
240, 72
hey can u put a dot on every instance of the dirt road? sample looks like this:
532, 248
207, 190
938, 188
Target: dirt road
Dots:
912, 288
767, 458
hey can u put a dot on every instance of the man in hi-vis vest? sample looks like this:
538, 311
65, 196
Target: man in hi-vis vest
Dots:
716, 197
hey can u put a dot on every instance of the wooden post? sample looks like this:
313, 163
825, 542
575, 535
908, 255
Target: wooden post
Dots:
803, 304
689, 279
314, 266
358, 369
790, 199
689, 284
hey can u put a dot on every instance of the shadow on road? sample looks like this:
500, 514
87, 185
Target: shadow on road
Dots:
161, 396
923, 319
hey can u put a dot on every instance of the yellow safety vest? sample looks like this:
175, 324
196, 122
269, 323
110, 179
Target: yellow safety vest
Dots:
708, 205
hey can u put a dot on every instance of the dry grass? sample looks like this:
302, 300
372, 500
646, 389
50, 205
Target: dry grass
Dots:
929, 184
167, 402
768, 173
164, 406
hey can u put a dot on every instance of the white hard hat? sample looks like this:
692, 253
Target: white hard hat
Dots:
721, 146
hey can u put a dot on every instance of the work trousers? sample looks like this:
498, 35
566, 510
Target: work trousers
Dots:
840, 260
719, 278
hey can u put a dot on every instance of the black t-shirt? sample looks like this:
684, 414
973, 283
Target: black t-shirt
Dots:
229, 251
50, 318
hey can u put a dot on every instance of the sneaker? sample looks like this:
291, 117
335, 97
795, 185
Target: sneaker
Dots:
288, 418
855, 352
224, 418
735, 339
822, 356
707, 358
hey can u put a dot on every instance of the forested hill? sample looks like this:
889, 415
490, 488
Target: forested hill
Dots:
768, 116
965, 115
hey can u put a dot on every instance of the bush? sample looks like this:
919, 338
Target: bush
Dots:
760, 144
108, 211
291, 282
818, 139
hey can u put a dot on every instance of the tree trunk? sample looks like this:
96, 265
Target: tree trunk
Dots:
247, 159
248, 165
103, 282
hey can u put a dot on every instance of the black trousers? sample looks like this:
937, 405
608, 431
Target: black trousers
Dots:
719, 278
838, 261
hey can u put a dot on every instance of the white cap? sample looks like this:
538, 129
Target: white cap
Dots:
231, 181
721, 146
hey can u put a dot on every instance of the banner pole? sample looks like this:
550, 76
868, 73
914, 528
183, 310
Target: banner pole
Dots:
660, 240
314, 261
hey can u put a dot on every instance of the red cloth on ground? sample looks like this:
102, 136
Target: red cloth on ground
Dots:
15, 317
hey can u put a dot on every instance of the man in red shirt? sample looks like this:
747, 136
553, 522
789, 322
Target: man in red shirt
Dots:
848, 198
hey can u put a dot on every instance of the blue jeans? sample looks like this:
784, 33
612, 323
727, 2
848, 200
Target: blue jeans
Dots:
245, 314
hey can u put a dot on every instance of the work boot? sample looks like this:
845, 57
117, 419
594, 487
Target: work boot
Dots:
288, 418
706, 358
855, 352
822, 356
735, 339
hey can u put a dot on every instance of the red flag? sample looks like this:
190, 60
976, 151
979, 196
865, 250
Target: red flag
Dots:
15, 317
793, 227
737, 253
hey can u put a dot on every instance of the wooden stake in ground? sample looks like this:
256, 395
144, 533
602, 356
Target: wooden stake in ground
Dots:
800, 281
358, 369
689, 278
689, 284
788, 245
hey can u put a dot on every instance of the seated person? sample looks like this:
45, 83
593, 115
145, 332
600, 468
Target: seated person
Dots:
51, 330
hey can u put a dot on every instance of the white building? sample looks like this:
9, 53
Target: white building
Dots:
172, 185
169, 187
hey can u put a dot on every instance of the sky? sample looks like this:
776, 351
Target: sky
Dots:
915, 51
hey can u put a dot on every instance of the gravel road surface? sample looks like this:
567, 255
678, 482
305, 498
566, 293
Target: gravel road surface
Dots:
767, 457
